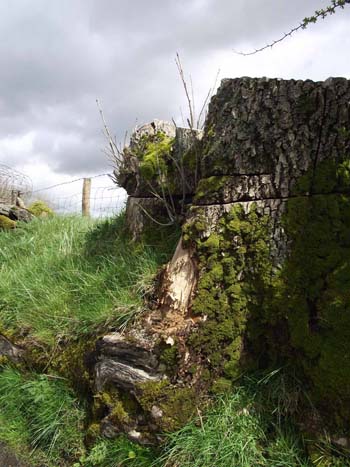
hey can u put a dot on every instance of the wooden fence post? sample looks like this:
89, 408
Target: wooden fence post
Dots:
86, 197
13, 197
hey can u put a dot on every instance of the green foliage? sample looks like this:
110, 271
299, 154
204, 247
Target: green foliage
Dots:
242, 429
68, 276
40, 413
40, 209
117, 453
321, 14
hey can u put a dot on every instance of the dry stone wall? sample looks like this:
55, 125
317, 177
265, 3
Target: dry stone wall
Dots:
262, 280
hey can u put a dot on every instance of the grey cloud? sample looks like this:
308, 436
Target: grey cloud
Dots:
56, 58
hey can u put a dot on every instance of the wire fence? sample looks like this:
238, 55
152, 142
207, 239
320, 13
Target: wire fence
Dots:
13, 182
96, 196
102, 198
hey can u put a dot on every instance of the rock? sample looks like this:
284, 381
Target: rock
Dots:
9, 458
15, 213
156, 412
9, 350
128, 173
5, 210
275, 127
342, 442
6, 223
124, 364
142, 213
19, 214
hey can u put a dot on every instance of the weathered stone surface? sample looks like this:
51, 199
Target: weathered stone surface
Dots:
275, 127
9, 350
16, 214
9, 459
161, 159
20, 214
233, 188
144, 212
5, 210
128, 174
124, 362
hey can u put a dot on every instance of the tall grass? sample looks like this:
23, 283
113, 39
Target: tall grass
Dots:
247, 427
64, 276
40, 415
117, 453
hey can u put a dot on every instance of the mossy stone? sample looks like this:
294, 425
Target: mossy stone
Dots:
6, 223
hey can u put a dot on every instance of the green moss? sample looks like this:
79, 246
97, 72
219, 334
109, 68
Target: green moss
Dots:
169, 356
221, 386
4, 361
209, 187
177, 404
317, 283
71, 361
40, 209
154, 155
234, 265
311, 293
6, 223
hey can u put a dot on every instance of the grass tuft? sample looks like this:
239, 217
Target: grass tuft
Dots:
40, 412
248, 427
68, 276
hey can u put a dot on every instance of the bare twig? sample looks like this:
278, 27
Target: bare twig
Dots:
206, 101
114, 152
182, 76
319, 14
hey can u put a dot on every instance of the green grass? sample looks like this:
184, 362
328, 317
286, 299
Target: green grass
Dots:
67, 276
117, 453
40, 418
234, 433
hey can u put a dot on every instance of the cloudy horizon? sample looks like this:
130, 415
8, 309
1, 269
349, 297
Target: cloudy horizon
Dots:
57, 58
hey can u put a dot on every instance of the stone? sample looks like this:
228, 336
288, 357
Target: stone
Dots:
9, 350
275, 127
124, 363
142, 213
19, 214
9, 459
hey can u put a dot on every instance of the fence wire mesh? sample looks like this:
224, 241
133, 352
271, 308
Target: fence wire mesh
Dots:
13, 183
105, 198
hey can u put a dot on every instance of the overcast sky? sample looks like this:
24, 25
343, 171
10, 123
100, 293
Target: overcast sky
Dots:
58, 56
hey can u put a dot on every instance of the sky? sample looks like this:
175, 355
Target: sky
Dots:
58, 57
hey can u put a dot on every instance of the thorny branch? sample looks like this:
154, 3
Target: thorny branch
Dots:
319, 14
